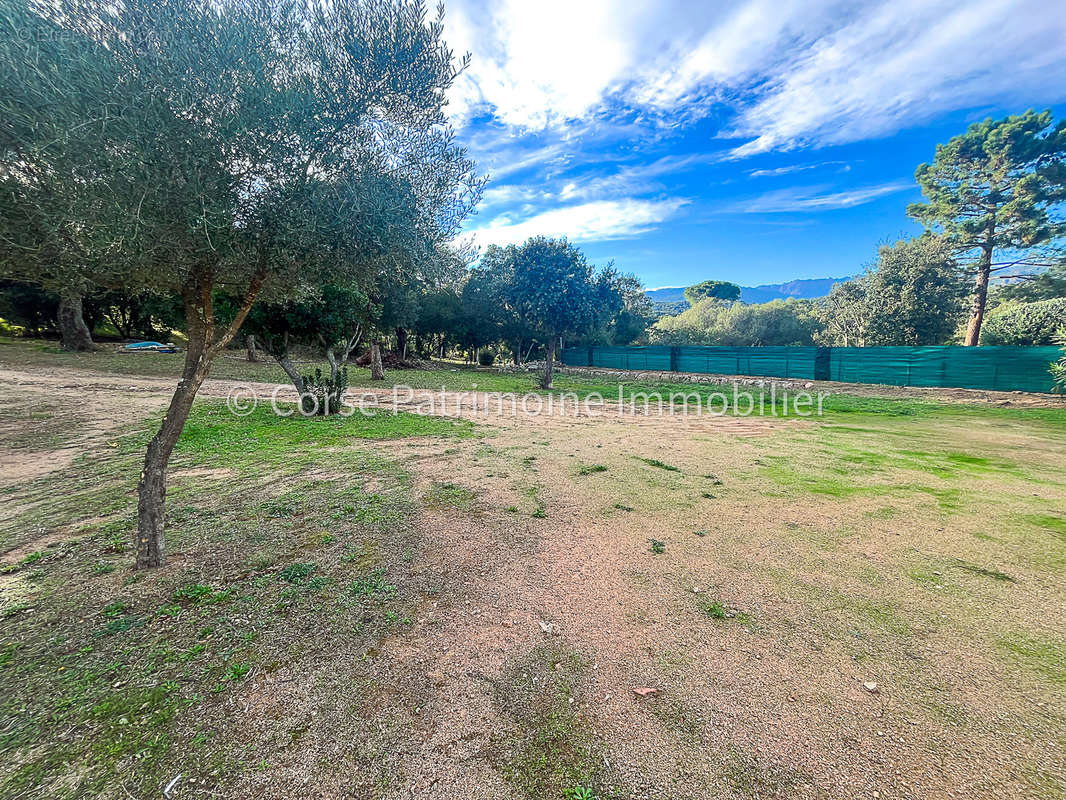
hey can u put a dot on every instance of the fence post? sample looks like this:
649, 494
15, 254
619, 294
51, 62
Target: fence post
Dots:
822, 370
675, 358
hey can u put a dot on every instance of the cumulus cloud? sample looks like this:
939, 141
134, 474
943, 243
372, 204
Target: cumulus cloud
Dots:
597, 221
787, 73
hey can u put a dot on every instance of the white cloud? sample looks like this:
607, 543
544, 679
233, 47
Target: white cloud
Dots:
536, 63
791, 72
816, 198
792, 168
589, 222
510, 194
903, 63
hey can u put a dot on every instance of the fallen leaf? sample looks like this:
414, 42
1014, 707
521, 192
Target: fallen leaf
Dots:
646, 691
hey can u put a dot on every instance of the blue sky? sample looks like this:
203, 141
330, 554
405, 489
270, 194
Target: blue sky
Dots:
749, 140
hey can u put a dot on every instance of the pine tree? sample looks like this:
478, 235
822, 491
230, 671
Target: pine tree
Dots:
995, 192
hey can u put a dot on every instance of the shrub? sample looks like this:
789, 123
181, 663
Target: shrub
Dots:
1058, 368
717, 322
323, 394
1025, 323
486, 358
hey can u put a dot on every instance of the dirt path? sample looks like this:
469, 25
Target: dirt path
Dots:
105, 402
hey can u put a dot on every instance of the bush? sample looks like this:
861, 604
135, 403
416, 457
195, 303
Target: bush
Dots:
1025, 323
322, 395
1058, 368
486, 358
716, 322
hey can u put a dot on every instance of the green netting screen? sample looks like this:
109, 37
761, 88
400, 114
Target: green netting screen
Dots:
997, 368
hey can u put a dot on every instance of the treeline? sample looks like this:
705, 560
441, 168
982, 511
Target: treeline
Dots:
916, 294
498, 308
995, 208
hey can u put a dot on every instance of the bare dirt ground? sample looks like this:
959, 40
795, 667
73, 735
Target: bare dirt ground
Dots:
817, 623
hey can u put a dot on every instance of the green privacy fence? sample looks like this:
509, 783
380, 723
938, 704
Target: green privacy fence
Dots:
997, 368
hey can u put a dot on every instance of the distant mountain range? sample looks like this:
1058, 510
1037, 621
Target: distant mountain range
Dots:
807, 288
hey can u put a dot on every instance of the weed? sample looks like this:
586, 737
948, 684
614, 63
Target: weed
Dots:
373, 586
115, 608
120, 625
658, 546
589, 469
701, 532
32, 558
236, 672
994, 574
192, 593
296, 574
623, 507
713, 609
654, 462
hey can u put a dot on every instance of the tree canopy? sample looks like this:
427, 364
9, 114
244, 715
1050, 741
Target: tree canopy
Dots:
912, 296
719, 290
714, 322
555, 292
194, 146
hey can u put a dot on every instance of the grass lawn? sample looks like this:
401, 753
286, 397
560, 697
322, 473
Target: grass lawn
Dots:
404, 605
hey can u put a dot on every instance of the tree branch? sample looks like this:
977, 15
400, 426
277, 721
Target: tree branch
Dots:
254, 287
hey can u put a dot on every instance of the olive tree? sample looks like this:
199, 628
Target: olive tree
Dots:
198, 146
556, 292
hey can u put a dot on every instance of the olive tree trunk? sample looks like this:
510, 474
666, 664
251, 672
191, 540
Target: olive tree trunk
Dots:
294, 374
549, 363
202, 349
72, 328
152, 489
377, 371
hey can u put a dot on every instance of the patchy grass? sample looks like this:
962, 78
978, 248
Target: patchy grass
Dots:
449, 495
654, 462
261, 575
1052, 523
1043, 655
915, 545
32, 424
591, 469
552, 749
212, 438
